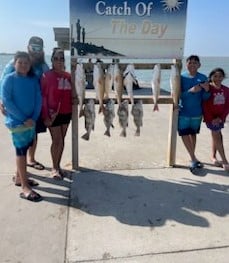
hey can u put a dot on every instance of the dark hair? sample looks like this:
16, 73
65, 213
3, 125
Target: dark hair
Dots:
23, 54
217, 70
56, 50
193, 57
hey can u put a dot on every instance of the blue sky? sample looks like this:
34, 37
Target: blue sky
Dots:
206, 31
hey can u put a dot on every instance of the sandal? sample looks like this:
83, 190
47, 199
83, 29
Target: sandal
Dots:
57, 175
195, 166
199, 164
32, 196
36, 165
226, 167
217, 163
31, 182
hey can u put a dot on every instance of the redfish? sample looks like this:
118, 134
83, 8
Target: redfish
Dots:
80, 84
155, 83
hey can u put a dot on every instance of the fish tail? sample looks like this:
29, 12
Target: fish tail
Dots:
155, 108
137, 133
81, 113
86, 136
123, 133
107, 133
101, 108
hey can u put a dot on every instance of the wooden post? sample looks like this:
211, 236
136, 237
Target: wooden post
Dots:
172, 134
75, 126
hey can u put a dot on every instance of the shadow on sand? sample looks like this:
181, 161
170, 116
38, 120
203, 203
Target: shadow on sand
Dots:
138, 200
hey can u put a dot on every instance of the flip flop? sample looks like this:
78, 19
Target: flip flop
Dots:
226, 167
217, 163
31, 182
36, 165
32, 196
57, 175
195, 167
199, 164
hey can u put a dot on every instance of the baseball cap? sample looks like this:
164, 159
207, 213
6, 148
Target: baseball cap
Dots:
36, 41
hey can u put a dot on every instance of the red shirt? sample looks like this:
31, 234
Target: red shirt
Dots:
56, 93
217, 106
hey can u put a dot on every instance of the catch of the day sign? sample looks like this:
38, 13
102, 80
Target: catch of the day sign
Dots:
119, 29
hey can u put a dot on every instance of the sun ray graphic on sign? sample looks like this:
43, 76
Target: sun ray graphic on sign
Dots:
171, 5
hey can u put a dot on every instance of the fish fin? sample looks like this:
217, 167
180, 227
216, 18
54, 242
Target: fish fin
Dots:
81, 113
123, 133
101, 109
137, 133
107, 133
155, 108
86, 136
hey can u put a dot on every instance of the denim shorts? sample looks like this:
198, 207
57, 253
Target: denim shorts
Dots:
189, 125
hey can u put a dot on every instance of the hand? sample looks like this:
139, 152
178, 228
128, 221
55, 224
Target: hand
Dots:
47, 122
195, 89
216, 122
205, 86
29, 123
2, 109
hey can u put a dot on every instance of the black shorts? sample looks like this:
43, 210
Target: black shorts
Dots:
62, 119
40, 127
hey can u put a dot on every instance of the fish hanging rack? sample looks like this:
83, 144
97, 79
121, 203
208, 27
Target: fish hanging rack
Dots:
173, 119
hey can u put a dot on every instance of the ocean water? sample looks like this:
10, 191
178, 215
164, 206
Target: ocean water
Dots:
144, 76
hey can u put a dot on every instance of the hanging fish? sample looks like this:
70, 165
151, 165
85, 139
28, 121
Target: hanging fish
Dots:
118, 83
98, 82
109, 114
80, 84
155, 83
89, 115
129, 80
109, 80
137, 112
123, 113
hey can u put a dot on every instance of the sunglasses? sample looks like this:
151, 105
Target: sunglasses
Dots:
58, 59
36, 48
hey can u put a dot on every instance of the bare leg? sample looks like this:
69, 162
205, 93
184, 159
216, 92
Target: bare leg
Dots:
190, 144
58, 135
31, 151
21, 172
214, 159
217, 139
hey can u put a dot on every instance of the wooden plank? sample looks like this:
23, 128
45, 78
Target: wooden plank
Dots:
75, 127
145, 99
172, 136
148, 66
173, 122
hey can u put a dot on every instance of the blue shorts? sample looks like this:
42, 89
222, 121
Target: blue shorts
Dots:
22, 137
215, 127
189, 125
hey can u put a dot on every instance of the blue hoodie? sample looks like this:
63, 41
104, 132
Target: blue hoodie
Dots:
21, 97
